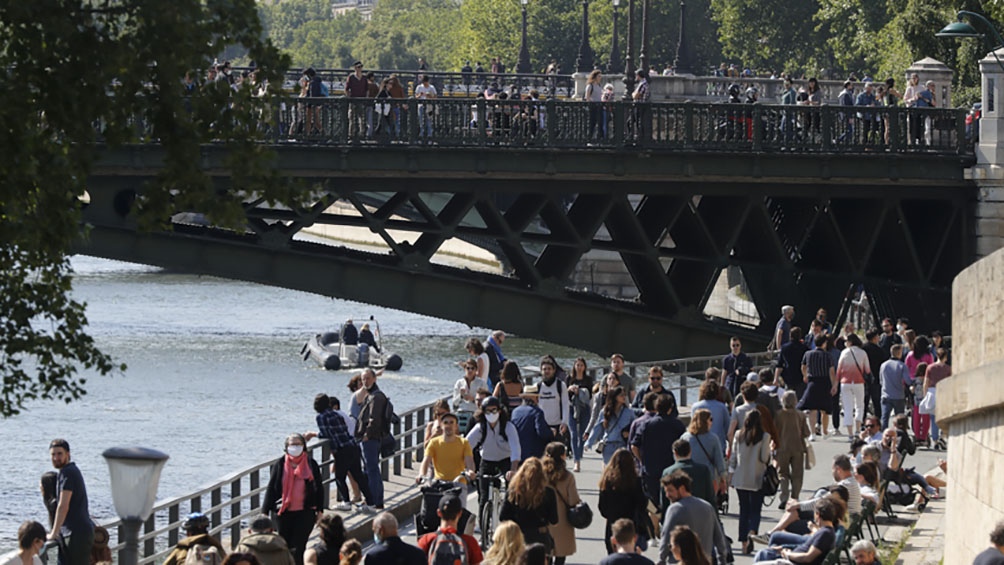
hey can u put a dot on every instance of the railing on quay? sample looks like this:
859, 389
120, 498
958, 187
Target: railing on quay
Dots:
234, 500
542, 124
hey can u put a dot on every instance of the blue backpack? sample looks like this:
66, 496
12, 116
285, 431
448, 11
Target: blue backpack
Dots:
324, 89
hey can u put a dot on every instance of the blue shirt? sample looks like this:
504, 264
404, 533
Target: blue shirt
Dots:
655, 435
78, 517
895, 378
785, 326
531, 426
613, 432
719, 418
331, 425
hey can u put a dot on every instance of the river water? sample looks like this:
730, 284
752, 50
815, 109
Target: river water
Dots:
214, 379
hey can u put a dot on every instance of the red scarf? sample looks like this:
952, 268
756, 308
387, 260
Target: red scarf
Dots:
296, 469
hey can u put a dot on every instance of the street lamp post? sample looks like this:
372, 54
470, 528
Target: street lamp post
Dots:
135, 473
523, 66
961, 29
615, 52
629, 59
643, 55
584, 62
682, 62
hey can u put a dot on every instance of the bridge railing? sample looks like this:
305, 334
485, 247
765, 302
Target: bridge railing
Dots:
234, 500
651, 126
683, 375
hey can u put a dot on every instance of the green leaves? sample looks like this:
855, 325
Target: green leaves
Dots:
83, 71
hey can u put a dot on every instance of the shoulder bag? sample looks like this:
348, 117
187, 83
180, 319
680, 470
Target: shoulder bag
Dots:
928, 403
810, 455
580, 516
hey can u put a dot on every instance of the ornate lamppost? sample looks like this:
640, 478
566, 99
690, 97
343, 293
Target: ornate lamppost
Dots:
615, 52
135, 473
643, 56
523, 66
584, 61
629, 59
682, 61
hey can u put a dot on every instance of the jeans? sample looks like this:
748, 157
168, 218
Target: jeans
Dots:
371, 458
889, 407
425, 122
578, 430
348, 460
750, 510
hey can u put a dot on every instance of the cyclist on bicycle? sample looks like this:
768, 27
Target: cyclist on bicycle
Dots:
450, 455
498, 442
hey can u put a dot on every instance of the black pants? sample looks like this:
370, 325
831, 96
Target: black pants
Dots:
77, 550
295, 527
489, 469
873, 394
348, 460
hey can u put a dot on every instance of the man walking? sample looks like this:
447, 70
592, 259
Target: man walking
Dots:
693, 512
73, 518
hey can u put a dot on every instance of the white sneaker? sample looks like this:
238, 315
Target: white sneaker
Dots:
812, 437
342, 507
913, 508
365, 509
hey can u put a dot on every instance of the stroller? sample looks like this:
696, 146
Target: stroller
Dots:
427, 519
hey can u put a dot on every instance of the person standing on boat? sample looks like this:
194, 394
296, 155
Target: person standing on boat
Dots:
350, 335
371, 429
366, 336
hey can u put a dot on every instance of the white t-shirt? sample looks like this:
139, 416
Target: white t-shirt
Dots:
13, 558
554, 404
422, 91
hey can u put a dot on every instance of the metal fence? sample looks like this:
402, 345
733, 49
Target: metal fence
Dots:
231, 502
595, 126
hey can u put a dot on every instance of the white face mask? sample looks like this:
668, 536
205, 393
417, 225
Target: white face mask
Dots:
492, 418
899, 328
295, 450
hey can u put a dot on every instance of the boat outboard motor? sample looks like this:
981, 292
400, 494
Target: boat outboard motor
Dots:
363, 352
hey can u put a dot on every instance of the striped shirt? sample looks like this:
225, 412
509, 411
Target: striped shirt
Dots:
853, 497
819, 363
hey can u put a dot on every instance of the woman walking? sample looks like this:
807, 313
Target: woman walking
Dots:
563, 483
851, 370
936, 373
594, 98
580, 393
705, 449
621, 496
821, 379
750, 456
531, 503
920, 354
294, 493
613, 429
792, 431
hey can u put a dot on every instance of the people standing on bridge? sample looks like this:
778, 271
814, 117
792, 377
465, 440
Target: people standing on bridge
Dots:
563, 483
622, 496
593, 96
262, 541
388, 548
493, 346
531, 503
314, 126
373, 427
612, 429
642, 111
690, 511
294, 492
531, 425
426, 111
73, 518
356, 86
782, 330
580, 392
655, 384
749, 459
477, 351
735, 366
553, 400
496, 439
821, 383
331, 536
649, 444
866, 97
332, 426
196, 527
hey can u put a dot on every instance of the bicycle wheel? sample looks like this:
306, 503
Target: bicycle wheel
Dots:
485, 521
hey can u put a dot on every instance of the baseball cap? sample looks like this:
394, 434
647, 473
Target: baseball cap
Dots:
450, 505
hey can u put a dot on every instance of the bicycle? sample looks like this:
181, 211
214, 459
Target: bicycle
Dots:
488, 516
432, 492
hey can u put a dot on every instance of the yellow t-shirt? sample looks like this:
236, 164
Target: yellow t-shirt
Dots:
448, 457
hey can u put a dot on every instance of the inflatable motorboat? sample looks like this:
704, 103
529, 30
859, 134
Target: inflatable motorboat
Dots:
354, 347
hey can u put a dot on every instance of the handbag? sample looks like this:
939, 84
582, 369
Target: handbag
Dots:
928, 403
770, 482
810, 456
598, 448
580, 516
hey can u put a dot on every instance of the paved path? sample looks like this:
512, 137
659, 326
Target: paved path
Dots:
590, 547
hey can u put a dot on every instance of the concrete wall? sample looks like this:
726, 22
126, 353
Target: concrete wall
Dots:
970, 406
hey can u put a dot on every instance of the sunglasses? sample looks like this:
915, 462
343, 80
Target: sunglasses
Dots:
655, 378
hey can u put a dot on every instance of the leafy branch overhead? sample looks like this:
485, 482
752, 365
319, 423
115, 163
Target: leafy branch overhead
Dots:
83, 71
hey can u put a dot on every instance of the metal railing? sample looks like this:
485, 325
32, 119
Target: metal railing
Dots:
535, 124
232, 501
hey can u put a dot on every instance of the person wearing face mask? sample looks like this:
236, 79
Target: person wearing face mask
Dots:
388, 548
497, 439
30, 540
294, 492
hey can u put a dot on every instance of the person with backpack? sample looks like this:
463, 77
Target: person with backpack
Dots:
262, 541
295, 493
197, 547
372, 428
447, 546
553, 400
497, 439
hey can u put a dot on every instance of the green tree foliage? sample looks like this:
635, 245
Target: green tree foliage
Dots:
79, 72
767, 34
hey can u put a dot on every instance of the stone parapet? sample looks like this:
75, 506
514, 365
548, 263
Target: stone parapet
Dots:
970, 409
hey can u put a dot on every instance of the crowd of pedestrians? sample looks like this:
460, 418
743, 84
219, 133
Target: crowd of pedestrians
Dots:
664, 483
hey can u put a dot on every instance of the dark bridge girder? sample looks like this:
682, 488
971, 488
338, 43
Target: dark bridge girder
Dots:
896, 224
